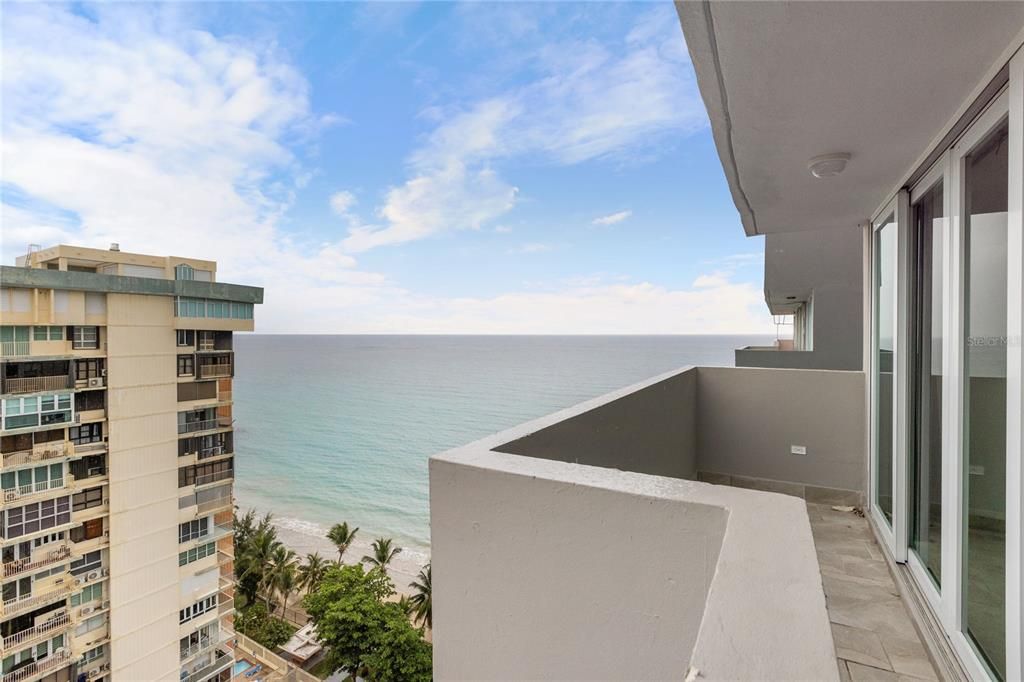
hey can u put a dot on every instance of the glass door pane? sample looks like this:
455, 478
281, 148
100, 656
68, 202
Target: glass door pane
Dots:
884, 349
985, 286
926, 452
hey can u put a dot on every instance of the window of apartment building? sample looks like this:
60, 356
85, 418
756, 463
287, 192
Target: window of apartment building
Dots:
91, 655
207, 340
86, 433
201, 307
36, 410
90, 400
89, 562
202, 474
184, 271
32, 518
17, 589
94, 623
190, 530
87, 499
205, 446
186, 365
23, 658
88, 369
197, 639
48, 539
197, 553
186, 338
88, 467
42, 575
89, 530
199, 390
47, 333
33, 480
88, 594
13, 340
199, 608
85, 338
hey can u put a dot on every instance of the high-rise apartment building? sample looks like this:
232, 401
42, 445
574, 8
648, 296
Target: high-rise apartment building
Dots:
118, 461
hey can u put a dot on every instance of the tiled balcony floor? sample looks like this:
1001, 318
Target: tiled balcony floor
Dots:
874, 637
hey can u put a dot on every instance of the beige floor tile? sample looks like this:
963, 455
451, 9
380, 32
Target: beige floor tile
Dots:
865, 673
844, 672
908, 657
861, 646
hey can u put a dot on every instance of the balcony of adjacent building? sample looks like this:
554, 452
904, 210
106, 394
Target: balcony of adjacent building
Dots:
204, 640
613, 498
209, 665
25, 413
35, 447
41, 667
35, 376
205, 355
25, 595
51, 341
195, 449
202, 420
27, 558
29, 629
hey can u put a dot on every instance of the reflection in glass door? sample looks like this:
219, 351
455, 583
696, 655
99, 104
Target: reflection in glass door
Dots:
926, 451
985, 198
884, 308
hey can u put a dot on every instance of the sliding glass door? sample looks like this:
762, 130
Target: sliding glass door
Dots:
984, 168
884, 304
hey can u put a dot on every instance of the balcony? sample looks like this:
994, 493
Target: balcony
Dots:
691, 560
40, 452
221, 661
25, 493
52, 624
207, 479
41, 667
12, 569
16, 605
205, 644
37, 384
9, 349
214, 371
205, 425
90, 448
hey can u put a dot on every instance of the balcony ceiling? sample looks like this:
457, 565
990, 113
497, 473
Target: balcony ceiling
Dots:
785, 82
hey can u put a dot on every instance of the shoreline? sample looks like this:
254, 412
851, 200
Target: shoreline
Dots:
403, 568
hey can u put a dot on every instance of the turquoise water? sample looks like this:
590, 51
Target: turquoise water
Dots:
339, 428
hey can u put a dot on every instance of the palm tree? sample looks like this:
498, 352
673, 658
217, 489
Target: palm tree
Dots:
420, 600
280, 575
253, 558
383, 553
342, 537
312, 572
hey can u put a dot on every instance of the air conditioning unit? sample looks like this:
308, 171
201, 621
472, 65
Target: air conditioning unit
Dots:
86, 610
10, 495
105, 667
95, 672
95, 382
103, 372
105, 604
106, 533
92, 575
106, 571
78, 581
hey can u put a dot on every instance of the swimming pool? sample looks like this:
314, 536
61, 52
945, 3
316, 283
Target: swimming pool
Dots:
240, 667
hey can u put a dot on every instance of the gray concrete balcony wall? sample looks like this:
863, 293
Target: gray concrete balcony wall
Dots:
572, 547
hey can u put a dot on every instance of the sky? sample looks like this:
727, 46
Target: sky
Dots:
385, 168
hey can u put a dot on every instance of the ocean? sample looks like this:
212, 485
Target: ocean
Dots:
339, 428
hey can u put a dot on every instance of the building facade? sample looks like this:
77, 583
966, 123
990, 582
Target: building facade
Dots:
118, 459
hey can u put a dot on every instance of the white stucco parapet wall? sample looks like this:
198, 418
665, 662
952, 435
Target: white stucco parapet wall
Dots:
554, 570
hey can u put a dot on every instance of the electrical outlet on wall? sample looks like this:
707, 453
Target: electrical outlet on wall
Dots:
797, 449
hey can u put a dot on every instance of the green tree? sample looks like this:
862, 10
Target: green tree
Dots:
279, 576
363, 634
420, 600
342, 537
255, 544
383, 552
312, 571
254, 622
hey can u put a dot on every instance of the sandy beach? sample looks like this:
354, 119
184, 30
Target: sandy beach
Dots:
403, 568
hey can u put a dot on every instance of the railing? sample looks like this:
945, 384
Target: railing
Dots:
223, 659
210, 505
86, 448
215, 371
207, 479
27, 602
38, 453
205, 425
35, 384
9, 348
222, 636
14, 494
57, 660
59, 620
13, 568
215, 451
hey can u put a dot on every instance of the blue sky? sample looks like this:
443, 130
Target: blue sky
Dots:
390, 167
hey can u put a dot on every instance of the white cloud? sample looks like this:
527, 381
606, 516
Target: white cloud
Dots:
581, 106
342, 202
707, 281
612, 218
